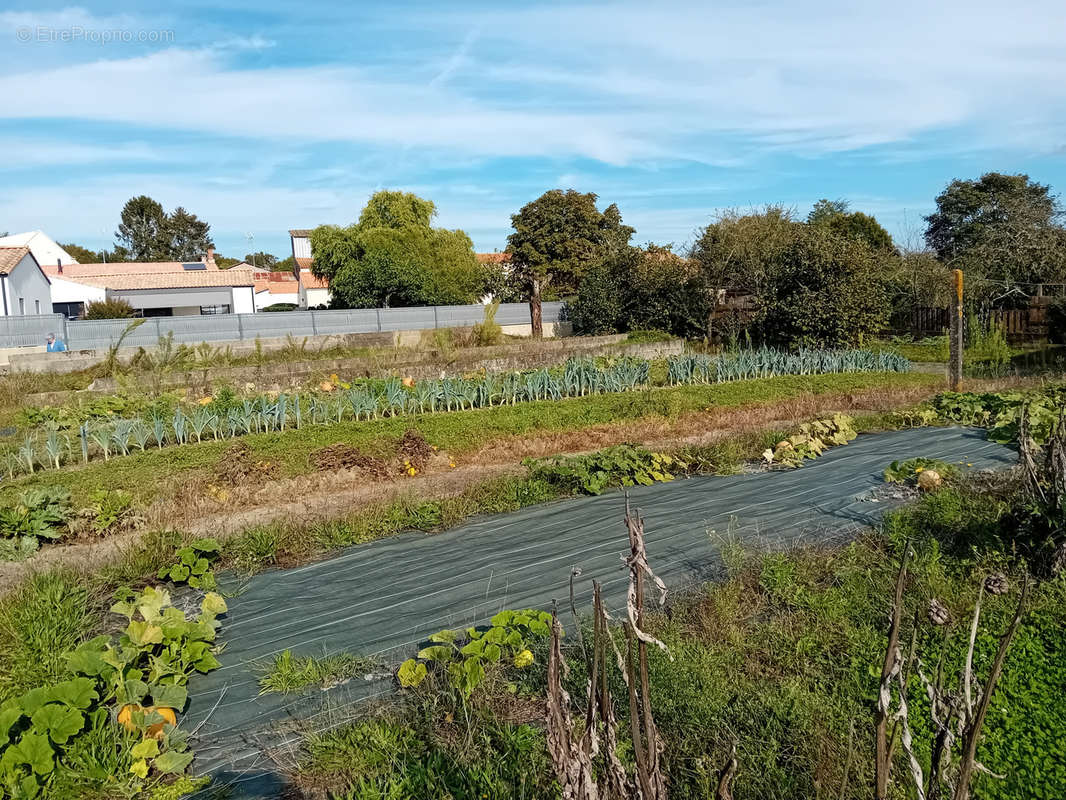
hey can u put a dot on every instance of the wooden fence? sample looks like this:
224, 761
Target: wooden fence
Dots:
1017, 323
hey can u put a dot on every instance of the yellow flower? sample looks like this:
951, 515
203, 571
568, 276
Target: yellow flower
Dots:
919, 469
334, 377
412, 471
451, 464
205, 401
523, 659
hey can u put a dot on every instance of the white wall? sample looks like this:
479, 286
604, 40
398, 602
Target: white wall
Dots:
315, 297
26, 282
64, 291
264, 299
243, 300
301, 247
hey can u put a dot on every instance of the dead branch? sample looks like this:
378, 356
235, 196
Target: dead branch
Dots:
726, 775
975, 721
889, 669
573, 765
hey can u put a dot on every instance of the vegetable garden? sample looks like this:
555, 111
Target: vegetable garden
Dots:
229, 416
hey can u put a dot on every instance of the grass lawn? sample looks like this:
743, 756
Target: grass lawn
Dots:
159, 473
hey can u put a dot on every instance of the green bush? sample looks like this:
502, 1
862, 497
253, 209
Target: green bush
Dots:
111, 308
623, 465
280, 307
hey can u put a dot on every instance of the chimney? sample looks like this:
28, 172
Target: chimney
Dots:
210, 253
59, 265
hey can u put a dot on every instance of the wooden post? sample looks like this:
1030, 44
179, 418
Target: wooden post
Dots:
956, 335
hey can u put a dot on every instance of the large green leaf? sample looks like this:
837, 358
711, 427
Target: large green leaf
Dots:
171, 762
435, 653
77, 692
58, 721
33, 750
10, 713
170, 696
411, 673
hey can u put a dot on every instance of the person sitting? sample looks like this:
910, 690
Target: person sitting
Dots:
55, 345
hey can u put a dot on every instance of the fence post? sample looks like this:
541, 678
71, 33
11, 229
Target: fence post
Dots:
378, 311
240, 327
436, 323
957, 339
314, 326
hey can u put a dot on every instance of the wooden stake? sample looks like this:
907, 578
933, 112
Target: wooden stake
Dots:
956, 336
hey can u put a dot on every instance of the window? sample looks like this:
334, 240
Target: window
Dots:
219, 309
22, 306
37, 306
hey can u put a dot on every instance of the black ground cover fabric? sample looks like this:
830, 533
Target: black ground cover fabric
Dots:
383, 598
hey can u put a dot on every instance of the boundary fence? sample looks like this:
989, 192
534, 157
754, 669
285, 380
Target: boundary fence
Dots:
31, 331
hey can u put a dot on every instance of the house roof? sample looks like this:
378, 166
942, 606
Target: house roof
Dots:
153, 275
40, 244
11, 257
309, 281
300, 233
493, 258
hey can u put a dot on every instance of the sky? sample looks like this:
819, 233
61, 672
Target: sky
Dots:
264, 116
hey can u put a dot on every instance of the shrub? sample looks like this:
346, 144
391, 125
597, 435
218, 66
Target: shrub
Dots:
488, 332
280, 307
111, 308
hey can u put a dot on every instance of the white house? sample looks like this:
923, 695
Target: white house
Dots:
156, 288
44, 249
24, 288
314, 292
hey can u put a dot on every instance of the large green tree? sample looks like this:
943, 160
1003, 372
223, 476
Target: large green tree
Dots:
834, 215
1004, 231
187, 236
83, 255
392, 256
141, 234
147, 233
642, 288
825, 290
557, 238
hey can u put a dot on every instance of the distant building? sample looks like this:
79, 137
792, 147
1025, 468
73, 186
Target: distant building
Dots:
313, 292
44, 249
154, 288
24, 288
272, 288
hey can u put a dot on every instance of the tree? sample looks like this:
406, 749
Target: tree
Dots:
141, 234
188, 237
1005, 231
261, 260
834, 215
393, 257
225, 262
737, 251
642, 288
557, 238
83, 255
824, 290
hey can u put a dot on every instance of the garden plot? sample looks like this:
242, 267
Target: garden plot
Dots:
381, 599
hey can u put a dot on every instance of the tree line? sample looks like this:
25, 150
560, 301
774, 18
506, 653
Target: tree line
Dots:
830, 278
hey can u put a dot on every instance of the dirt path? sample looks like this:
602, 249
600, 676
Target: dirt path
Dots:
329, 495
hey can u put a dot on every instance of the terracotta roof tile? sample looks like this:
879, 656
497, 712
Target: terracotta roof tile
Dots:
300, 233
10, 258
309, 281
493, 258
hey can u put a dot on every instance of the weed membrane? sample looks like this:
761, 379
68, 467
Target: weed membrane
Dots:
381, 599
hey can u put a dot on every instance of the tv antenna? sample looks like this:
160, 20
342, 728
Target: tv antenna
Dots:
251, 246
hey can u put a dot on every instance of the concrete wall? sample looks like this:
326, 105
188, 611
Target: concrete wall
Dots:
64, 291
243, 300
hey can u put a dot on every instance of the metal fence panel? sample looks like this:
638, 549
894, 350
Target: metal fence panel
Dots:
408, 319
354, 320
101, 334
29, 331
277, 324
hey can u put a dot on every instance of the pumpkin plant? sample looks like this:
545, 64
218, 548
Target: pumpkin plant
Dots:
194, 565
464, 655
811, 441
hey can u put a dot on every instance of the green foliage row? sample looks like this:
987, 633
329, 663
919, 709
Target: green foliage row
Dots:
622, 465
46, 513
1001, 412
811, 441
766, 362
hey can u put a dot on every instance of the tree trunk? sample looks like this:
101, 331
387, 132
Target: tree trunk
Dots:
536, 323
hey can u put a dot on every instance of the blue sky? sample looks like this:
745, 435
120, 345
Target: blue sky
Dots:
265, 116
